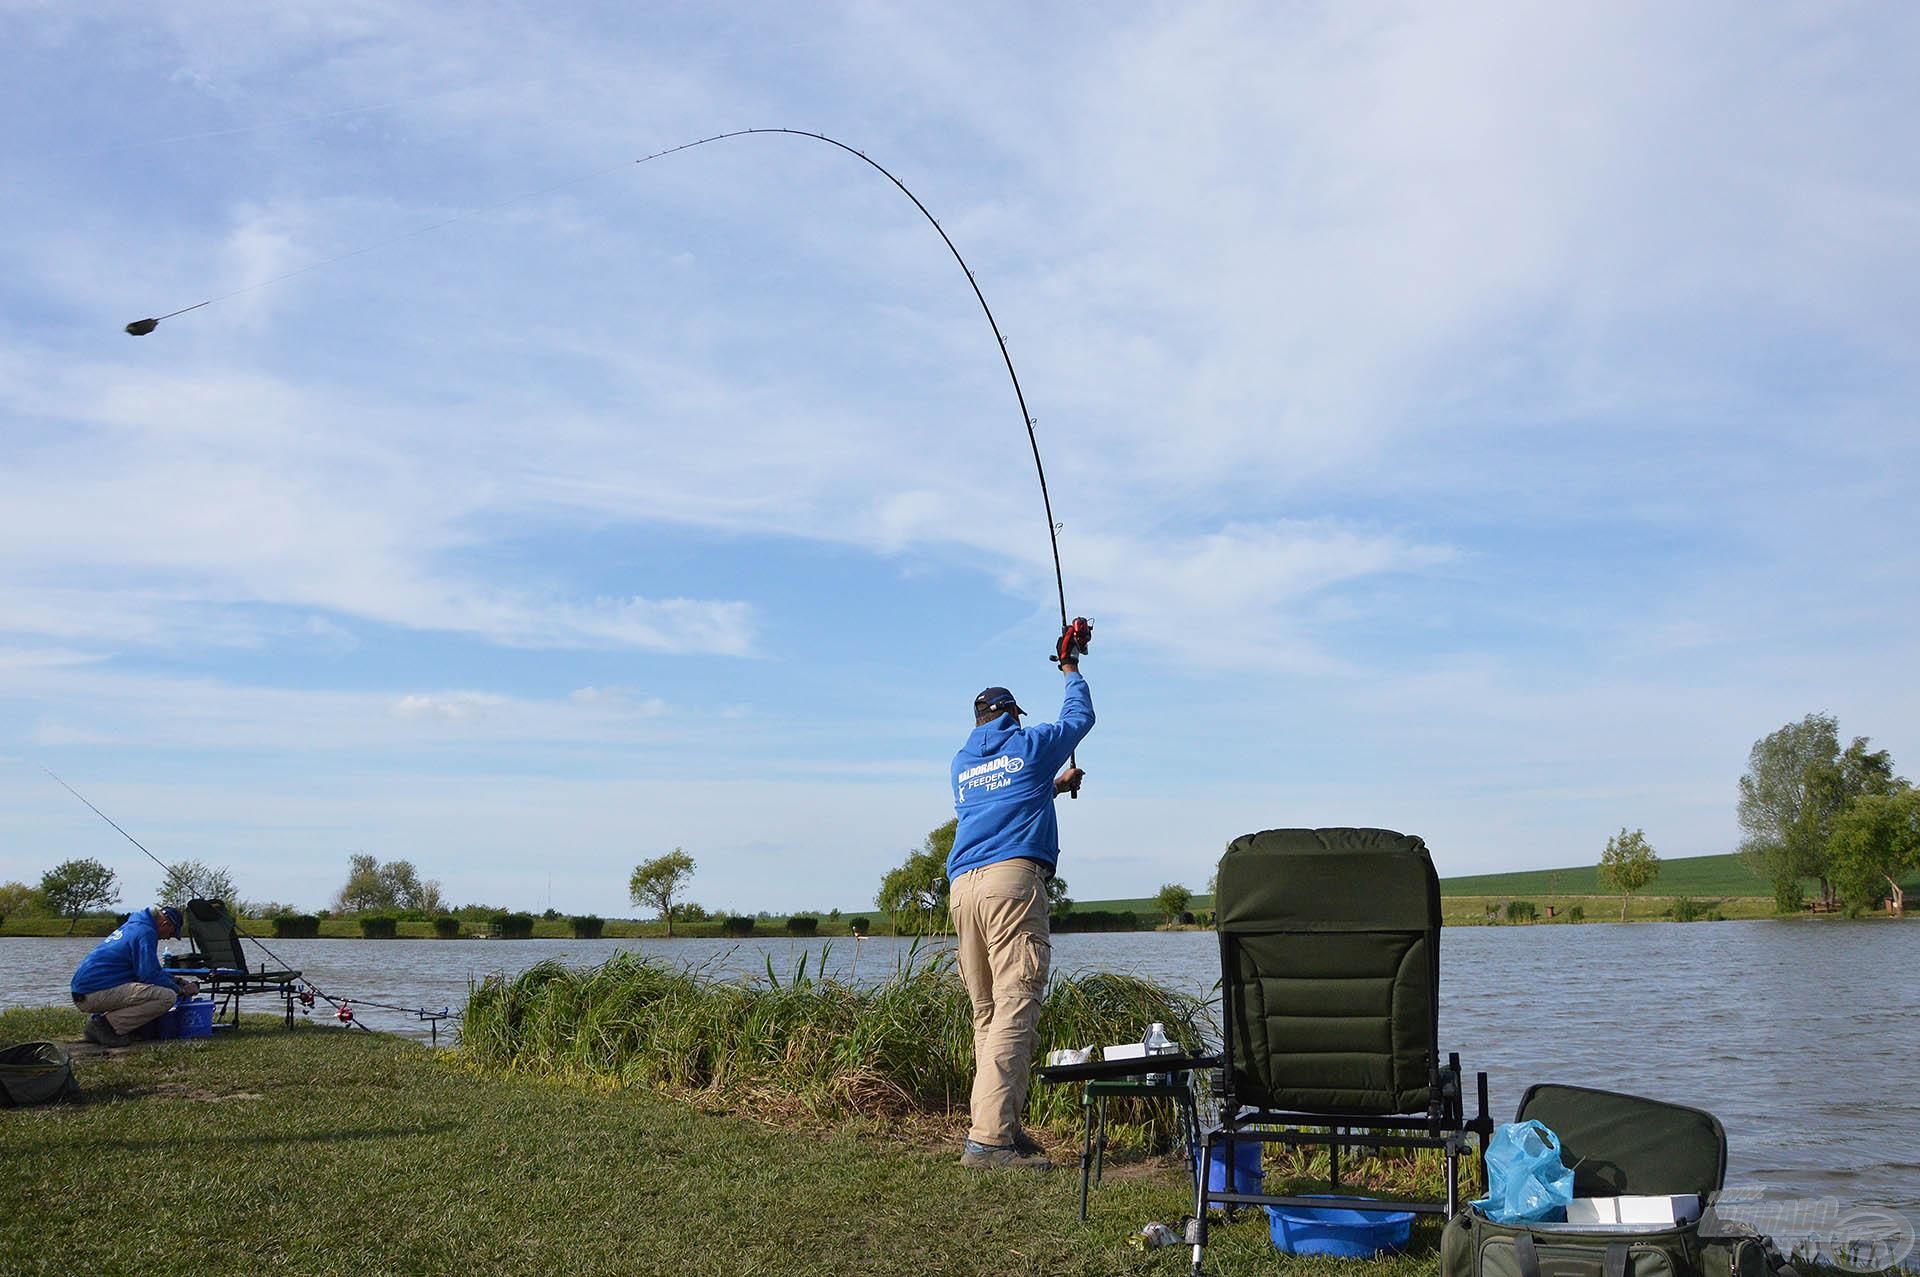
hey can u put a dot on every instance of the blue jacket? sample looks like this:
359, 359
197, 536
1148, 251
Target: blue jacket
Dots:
131, 953
1003, 785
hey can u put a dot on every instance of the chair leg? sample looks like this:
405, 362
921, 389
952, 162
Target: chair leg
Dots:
1190, 1129
1200, 1195
1100, 1143
1333, 1160
1086, 1151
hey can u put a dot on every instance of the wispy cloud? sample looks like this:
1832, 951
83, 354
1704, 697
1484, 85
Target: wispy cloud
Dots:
1458, 381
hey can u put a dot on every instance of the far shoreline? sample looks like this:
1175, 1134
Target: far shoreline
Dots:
1457, 911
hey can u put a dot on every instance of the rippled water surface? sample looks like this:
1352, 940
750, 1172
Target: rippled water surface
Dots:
1800, 1035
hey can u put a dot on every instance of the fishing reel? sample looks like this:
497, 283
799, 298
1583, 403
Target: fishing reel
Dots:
1075, 638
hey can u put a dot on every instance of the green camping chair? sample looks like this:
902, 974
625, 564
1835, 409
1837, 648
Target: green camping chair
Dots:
219, 962
1330, 1010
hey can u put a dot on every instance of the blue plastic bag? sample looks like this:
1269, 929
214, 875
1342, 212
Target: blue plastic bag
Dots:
1526, 1181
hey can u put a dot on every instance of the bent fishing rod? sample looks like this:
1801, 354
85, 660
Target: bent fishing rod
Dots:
142, 327
346, 1018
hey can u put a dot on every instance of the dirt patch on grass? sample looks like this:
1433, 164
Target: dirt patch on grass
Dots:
187, 1091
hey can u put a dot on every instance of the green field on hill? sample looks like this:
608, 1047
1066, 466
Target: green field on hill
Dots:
1702, 877
1722, 875
1699, 876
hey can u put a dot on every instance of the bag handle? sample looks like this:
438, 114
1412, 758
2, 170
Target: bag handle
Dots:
1614, 1261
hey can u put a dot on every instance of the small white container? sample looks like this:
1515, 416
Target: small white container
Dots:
1642, 1212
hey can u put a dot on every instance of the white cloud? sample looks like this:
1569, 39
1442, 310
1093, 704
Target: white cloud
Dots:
1534, 379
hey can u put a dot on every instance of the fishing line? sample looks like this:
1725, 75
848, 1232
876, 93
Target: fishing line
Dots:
141, 327
348, 1019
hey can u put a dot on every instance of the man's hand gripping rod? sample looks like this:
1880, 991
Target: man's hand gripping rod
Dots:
1075, 638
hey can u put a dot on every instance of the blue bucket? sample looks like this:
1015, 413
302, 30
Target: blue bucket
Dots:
186, 1019
1337, 1230
195, 1018
1247, 1173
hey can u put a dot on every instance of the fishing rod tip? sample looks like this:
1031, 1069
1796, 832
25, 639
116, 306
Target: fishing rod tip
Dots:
141, 327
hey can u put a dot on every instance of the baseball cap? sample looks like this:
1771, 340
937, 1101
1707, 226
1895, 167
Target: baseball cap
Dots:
996, 700
173, 916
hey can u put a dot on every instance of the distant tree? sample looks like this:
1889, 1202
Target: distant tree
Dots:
1059, 903
1173, 899
655, 882
405, 888
427, 898
74, 887
264, 909
1798, 782
376, 888
1876, 842
366, 890
1782, 839
914, 893
1628, 864
19, 900
195, 880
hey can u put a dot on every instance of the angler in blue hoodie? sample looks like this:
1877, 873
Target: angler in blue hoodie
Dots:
121, 984
1005, 845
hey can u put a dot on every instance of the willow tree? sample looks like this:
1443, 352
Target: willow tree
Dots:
1876, 843
914, 892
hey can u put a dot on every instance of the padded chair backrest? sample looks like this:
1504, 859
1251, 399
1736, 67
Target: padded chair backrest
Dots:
215, 935
1329, 949
1624, 1145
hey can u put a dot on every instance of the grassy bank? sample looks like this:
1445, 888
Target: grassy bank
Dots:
322, 1151
819, 1049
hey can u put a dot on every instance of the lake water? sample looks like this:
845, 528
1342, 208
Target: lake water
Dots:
1801, 1036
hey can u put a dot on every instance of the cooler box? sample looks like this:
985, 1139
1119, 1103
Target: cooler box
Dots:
189, 1018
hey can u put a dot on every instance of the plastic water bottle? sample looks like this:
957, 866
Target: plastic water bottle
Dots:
1157, 1043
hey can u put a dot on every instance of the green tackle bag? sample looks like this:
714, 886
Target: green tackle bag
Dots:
35, 1073
1617, 1146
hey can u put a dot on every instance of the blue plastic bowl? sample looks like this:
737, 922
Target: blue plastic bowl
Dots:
1338, 1230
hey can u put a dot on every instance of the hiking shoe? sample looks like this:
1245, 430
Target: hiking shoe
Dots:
1000, 1157
100, 1033
1025, 1145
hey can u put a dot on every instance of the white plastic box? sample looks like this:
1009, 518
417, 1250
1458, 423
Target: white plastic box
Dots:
1648, 1212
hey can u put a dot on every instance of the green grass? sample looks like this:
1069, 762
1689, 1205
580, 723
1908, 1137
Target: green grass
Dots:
815, 1049
1723, 875
322, 1151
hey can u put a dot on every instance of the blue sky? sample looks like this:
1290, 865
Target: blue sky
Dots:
1484, 424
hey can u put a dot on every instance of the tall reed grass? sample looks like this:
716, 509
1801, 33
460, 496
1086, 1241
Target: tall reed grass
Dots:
797, 1045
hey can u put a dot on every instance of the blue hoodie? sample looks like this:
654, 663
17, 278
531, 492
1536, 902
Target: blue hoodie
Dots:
1003, 785
130, 954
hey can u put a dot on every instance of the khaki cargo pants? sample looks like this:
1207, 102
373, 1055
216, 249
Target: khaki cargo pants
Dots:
128, 1006
1000, 919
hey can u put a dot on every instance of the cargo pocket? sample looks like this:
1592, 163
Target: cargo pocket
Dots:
1035, 959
